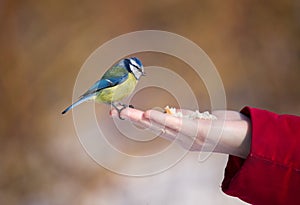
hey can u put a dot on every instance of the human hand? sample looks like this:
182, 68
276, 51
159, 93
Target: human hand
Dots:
232, 129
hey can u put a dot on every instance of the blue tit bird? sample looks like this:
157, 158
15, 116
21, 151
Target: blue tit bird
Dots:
117, 83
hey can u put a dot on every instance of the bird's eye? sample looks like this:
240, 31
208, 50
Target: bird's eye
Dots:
134, 63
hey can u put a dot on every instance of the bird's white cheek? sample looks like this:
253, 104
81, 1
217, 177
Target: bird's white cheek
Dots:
135, 72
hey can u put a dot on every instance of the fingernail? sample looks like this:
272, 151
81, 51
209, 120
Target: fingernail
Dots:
112, 113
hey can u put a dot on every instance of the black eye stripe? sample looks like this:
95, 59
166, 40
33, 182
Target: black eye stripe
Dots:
139, 69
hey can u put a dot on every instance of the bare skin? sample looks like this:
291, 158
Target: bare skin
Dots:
233, 128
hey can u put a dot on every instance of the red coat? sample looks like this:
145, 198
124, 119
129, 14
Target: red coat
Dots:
271, 172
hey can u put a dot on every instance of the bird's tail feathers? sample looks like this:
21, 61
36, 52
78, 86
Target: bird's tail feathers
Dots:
78, 102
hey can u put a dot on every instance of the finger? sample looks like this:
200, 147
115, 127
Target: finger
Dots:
185, 126
164, 119
128, 113
164, 133
187, 142
191, 128
137, 117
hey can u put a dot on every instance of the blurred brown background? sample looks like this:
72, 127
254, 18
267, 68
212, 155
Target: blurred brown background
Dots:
255, 46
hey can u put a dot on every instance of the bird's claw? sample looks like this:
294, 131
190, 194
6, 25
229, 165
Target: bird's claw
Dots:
119, 110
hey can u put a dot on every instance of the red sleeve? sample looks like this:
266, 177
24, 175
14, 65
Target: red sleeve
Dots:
271, 172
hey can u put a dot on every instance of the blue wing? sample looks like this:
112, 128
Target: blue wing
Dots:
105, 83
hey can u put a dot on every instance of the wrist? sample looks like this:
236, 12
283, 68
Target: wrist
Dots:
235, 138
240, 140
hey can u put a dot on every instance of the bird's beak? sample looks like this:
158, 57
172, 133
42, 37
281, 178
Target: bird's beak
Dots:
143, 74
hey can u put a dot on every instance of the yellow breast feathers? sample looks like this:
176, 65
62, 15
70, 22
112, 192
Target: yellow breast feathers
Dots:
118, 92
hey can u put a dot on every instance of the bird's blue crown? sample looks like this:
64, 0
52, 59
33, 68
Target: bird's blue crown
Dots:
137, 61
